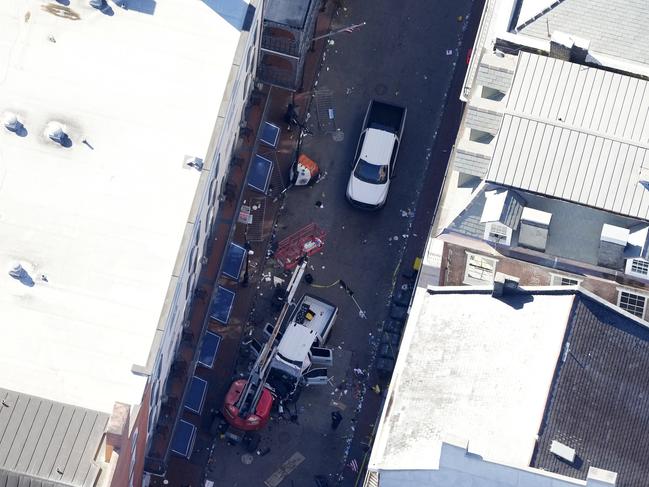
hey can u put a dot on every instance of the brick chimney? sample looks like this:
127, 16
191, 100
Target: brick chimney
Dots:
568, 48
117, 428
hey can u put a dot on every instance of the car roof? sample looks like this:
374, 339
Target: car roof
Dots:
377, 146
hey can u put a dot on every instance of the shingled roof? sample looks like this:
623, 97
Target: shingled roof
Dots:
599, 402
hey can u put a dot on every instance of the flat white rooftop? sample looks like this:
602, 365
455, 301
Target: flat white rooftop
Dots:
471, 368
103, 220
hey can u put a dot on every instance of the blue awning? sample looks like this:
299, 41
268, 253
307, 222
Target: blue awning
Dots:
222, 305
196, 395
209, 348
183, 441
233, 261
269, 134
259, 174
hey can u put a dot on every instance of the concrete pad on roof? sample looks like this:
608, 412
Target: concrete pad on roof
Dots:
454, 376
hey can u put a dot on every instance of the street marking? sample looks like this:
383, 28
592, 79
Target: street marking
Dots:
287, 467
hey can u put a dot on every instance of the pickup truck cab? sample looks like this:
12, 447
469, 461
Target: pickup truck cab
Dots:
299, 357
376, 155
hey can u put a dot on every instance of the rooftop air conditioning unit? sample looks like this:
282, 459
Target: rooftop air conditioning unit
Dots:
11, 122
56, 132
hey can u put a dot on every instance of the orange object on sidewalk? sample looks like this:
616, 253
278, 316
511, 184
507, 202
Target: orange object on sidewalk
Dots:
306, 171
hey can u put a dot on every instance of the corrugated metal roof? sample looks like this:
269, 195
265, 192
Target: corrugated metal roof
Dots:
575, 133
47, 442
580, 96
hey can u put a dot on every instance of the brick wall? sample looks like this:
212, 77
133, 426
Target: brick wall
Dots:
454, 259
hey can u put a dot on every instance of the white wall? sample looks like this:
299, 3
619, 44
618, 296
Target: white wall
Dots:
204, 211
458, 468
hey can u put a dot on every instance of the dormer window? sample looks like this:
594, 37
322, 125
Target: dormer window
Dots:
638, 268
498, 233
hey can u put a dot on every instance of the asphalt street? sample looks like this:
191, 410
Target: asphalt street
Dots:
405, 54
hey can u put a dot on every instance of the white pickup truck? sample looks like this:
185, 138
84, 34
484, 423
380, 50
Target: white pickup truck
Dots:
376, 154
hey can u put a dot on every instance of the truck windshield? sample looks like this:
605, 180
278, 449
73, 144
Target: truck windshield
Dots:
371, 173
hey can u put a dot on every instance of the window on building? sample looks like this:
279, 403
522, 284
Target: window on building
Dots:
480, 270
492, 93
480, 136
559, 280
133, 457
638, 267
632, 302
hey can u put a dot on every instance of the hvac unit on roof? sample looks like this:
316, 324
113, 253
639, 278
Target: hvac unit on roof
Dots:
535, 225
56, 132
17, 271
11, 122
612, 242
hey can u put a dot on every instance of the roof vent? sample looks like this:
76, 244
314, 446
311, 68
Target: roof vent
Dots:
56, 132
562, 451
11, 122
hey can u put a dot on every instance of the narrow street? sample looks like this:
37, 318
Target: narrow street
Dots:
405, 56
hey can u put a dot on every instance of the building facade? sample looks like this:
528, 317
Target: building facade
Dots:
546, 180
114, 165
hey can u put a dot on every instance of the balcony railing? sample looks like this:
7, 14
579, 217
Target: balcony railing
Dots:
281, 45
283, 78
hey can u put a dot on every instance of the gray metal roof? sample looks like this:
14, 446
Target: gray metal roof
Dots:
575, 133
496, 77
482, 119
46, 443
472, 163
588, 98
566, 163
614, 27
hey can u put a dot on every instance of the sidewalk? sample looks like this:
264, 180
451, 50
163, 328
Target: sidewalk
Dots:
272, 106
